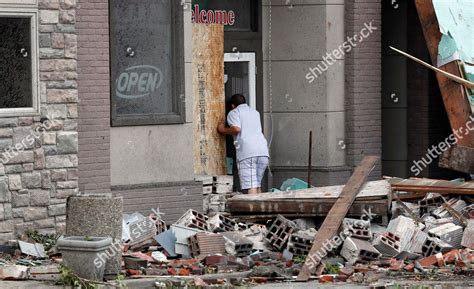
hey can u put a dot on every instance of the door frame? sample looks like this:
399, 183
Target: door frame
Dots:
248, 57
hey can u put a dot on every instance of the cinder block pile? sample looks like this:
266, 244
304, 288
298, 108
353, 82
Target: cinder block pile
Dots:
216, 190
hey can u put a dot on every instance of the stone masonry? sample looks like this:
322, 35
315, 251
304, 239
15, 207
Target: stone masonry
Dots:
36, 180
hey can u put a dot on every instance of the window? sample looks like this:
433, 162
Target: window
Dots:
147, 62
18, 62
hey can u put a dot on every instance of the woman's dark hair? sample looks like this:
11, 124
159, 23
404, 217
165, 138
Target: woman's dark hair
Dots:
237, 99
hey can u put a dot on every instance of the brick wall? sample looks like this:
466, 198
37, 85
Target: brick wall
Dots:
38, 168
363, 84
94, 93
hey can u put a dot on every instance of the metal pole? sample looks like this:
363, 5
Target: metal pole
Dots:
310, 157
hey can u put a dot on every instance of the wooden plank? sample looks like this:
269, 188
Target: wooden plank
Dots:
430, 185
209, 99
333, 220
454, 95
370, 190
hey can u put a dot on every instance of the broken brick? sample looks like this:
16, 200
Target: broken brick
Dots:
396, 265
452, 256
326, 279
428, 261
409, 267
184, 272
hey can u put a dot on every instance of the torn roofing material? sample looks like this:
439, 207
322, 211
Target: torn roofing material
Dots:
455, 19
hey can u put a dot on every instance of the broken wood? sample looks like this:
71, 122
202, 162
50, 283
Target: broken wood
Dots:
333, 221
423, 186
454, 94
209, 99
453, 77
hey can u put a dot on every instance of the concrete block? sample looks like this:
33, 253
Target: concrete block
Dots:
417, 241
433, 246
388, 244
207, 182
468, 235
431, 222
206, 190
405, 228
256, 233
222, 184
449, 233
279, 232
221, 223
456, 204
430, 201
358, 228
193, 219
237, 244
356, 250
300, 243
214, 203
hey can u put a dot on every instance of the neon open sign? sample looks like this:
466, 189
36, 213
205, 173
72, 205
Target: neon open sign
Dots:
138, 81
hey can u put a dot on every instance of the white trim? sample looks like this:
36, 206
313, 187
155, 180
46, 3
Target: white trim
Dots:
250, 58
19, 3
34, 55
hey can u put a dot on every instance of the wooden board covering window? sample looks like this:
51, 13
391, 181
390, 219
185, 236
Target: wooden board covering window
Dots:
209, 100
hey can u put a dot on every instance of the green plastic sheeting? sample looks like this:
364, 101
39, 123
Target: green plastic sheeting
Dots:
456, 23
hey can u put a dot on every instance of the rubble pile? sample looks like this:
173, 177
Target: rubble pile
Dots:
425, 236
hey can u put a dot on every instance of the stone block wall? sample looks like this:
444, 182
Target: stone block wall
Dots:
39, 163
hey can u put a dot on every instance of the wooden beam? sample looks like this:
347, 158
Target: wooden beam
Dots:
424, 186
333, 221
209, 99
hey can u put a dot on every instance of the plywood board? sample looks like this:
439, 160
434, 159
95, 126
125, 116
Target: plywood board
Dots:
375, 189
209, 99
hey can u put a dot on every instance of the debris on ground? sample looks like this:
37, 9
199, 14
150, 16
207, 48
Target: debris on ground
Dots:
429, 235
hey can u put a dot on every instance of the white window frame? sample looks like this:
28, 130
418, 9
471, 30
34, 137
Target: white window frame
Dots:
248, 57
20, 11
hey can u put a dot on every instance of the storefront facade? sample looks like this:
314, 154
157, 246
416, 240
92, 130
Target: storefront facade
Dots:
117, 75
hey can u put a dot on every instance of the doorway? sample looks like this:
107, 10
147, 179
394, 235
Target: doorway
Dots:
239, 77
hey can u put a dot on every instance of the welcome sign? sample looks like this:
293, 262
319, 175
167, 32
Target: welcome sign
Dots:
212, 16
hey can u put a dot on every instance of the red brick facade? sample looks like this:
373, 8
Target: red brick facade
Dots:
94, 90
